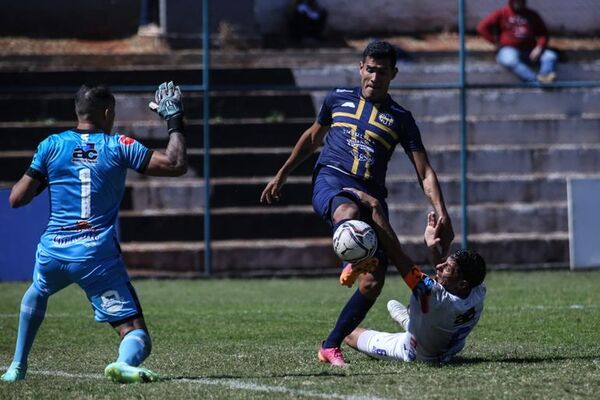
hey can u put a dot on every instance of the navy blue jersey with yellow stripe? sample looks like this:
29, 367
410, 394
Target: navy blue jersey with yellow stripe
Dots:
363, 135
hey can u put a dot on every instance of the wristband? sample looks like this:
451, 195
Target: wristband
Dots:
175, 123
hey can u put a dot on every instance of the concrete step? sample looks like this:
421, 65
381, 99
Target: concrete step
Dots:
500, 102
512, 129
477, 72
311, 257
482, 160
130, 107
261, 132
146, 75
255, 58
301, 222
333, 72
279, 106
246, 133
182, 194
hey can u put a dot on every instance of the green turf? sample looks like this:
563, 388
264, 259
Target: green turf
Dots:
257, 339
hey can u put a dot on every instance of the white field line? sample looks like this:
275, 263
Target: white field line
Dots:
229, 383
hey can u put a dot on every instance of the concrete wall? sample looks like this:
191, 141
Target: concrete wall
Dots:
69, 18
408, 16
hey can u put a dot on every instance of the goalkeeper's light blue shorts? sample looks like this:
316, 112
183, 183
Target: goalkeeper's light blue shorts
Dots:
105, 283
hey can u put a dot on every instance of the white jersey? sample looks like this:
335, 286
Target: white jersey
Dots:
439, 322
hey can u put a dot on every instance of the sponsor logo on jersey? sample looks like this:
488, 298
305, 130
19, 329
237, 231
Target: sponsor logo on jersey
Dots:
79, 226
86, 153
111, 301
344, 90
360, 145
126, 140
349, 104
86, 238
386, 119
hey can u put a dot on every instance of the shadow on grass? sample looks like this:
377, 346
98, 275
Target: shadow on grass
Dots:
519, 360
322, 374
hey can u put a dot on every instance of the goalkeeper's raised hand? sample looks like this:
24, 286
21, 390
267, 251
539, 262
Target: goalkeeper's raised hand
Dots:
167, 103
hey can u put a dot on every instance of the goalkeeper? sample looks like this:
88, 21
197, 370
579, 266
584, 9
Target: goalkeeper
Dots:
443, 310
85, 169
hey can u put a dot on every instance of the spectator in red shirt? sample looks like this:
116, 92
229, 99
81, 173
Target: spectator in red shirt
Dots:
520, 37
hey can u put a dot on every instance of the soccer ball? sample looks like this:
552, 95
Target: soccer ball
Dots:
354, 240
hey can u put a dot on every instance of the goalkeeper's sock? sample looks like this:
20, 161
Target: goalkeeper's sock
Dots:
135, 347
351, 316
33, 310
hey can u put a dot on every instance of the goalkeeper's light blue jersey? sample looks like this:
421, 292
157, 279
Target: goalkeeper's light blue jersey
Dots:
86, 172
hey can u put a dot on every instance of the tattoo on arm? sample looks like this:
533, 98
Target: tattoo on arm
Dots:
176, 149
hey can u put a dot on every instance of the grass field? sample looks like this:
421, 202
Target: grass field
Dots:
257, 339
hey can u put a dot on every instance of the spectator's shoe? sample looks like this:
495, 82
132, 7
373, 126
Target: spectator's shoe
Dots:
16, 372
332, 356
398, 312
546, 78
351, 271
123, 373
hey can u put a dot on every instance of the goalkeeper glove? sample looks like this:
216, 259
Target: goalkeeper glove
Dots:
168, 105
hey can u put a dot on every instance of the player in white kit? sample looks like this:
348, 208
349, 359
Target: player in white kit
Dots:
443, 310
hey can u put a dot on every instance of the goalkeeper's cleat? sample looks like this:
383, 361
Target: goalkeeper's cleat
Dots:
351, 271
16, 372
399, 313
122, 373
332, 356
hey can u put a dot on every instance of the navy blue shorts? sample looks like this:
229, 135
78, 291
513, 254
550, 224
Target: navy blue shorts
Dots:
329, 183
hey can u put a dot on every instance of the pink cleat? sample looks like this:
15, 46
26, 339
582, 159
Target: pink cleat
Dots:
332, 356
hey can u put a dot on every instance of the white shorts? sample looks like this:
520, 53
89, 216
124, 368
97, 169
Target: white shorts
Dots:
389, 346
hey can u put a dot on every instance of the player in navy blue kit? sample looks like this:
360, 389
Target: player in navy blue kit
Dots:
85, 169
361, 128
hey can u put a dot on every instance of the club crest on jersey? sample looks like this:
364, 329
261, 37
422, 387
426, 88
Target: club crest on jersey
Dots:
386, 119
126, 140
85, 153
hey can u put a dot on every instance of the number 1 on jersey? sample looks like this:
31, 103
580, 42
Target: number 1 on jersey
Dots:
86, 192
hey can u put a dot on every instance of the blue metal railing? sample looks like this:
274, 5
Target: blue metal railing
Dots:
206, 122
463, 126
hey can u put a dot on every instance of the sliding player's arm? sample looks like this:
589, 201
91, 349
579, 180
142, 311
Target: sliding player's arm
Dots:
431, 188
308, 143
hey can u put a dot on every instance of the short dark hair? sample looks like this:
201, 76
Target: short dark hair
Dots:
93, 98
472, 266
379, 50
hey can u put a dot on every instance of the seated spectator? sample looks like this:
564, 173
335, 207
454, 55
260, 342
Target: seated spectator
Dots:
521, 40
306, 20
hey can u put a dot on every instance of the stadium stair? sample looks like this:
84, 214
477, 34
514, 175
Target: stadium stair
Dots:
524, 143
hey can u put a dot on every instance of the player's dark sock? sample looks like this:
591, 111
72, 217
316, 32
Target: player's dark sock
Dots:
33, 309
351, 316
135, 347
